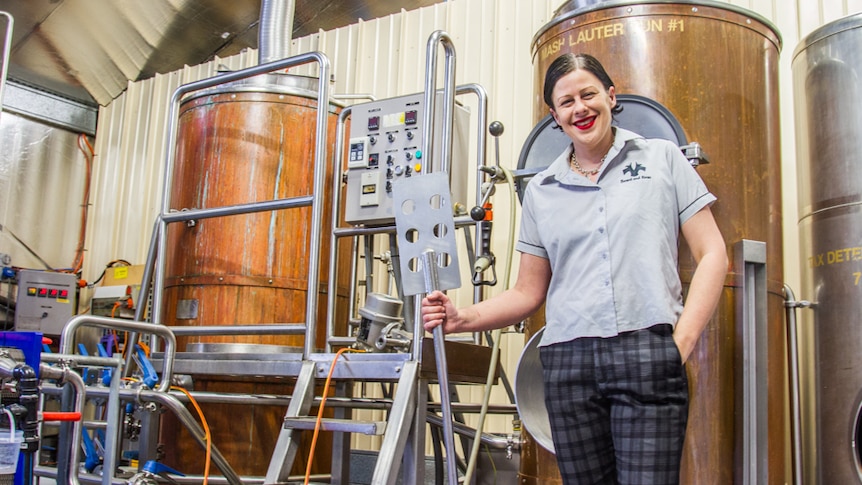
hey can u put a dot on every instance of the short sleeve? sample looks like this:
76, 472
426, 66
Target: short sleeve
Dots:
529, 241
692, 194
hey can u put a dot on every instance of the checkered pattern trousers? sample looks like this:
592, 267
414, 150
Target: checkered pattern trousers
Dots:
618, 407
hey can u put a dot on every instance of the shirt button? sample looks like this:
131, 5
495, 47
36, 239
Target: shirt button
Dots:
604, 255
607, 283
601, 230
601, 209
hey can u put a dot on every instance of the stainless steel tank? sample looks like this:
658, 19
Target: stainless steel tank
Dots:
827, 89
715, 67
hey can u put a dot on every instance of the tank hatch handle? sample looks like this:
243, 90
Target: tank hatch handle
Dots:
695, 154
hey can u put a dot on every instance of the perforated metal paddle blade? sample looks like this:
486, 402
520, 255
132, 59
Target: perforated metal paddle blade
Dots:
425, 227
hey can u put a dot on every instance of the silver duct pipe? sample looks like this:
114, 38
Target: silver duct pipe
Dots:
7, 45
275, 30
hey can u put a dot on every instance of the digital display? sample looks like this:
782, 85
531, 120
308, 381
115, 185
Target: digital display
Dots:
373, 123
410, 117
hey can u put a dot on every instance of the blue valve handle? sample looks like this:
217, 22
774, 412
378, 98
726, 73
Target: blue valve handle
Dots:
156, 468
150, 378
83, 351
92, 456
107, 372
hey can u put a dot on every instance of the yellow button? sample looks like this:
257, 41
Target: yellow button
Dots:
417, 167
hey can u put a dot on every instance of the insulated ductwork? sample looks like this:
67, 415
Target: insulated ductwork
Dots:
276, 29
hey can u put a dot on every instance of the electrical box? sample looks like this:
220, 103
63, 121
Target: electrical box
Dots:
386, 142
117, 297
46, 301
114, 301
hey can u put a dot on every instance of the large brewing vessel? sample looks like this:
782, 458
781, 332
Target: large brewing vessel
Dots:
714, 66
239, 143
827, 66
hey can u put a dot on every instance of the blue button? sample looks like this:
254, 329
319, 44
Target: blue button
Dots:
418, 154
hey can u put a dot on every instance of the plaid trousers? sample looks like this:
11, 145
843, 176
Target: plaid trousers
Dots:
618, 407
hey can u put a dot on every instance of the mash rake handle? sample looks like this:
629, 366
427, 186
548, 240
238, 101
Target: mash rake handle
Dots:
432, 283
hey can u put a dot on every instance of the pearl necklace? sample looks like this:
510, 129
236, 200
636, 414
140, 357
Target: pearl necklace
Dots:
586, 173
589, 173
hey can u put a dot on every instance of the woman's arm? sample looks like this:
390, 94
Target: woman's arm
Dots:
504, 309
709, 251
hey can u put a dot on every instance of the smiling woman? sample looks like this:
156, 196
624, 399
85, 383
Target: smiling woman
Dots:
725, 102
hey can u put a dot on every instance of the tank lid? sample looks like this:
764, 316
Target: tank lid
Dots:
853, 21
574, 8
276, 83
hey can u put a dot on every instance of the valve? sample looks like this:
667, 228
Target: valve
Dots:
484, 215
381, 326
150, 473
148, 373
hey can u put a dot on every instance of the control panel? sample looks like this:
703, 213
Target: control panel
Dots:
386, 140
45, 302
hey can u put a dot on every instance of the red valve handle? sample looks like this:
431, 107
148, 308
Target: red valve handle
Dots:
57, 416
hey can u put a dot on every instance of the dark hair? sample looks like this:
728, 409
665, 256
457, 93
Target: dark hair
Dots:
569, 62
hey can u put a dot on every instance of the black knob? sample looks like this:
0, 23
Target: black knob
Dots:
477, 213
496, 128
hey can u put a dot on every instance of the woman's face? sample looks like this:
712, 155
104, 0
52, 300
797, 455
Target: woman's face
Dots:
582, 107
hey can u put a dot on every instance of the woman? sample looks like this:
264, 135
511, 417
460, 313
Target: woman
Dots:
599, 237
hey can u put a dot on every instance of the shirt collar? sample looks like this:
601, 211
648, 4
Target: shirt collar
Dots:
560, 167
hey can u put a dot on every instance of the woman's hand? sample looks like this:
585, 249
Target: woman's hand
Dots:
437, 309
684, 348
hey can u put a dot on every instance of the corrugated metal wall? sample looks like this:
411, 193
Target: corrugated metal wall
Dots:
385, 57
42, 173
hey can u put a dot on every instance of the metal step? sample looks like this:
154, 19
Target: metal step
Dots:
371, 428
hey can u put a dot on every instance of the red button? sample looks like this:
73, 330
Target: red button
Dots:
64, 294
43, 292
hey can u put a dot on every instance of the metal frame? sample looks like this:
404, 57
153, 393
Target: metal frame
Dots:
752, 339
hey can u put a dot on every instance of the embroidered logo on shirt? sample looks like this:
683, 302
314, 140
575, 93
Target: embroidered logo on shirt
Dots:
634, 169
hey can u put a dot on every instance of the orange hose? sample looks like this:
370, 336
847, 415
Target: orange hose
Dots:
320, 411
207, 436
85, 205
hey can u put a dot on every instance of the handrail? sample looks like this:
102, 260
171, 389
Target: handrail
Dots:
65, 375
332, 284
439, 38
67, 339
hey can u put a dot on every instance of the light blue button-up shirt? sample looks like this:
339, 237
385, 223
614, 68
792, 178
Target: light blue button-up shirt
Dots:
612, 244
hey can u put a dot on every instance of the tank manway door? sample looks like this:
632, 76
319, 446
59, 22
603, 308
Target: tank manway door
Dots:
641, 115
386, 145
